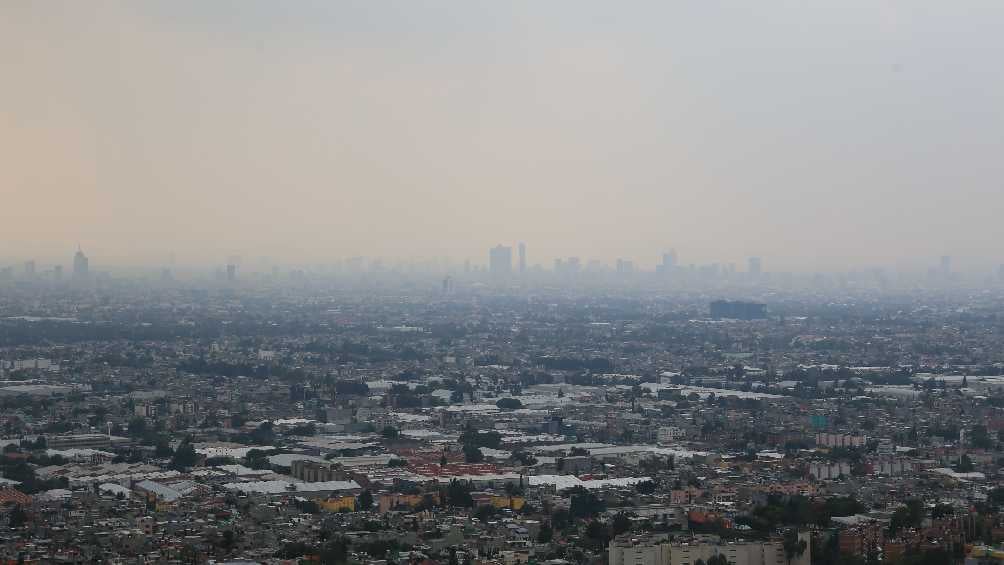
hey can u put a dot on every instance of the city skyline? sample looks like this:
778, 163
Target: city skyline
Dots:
575, 282
502, 262
322, 131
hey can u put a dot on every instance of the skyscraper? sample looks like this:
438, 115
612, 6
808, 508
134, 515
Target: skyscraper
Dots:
946, 265
500, 260
522, 258
668, 262
755, 266
81, 264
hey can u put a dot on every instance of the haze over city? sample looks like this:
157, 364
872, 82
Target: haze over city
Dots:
821, 137
459, 282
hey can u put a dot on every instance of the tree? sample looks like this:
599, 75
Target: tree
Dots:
389, 432
980, 437
256, 459
942, 510
471, 436
472, 454
263, 434
335, 552
965, 465
137, 427
162, 449
17, 517
597, 533
365, 500
909, 516
561, 519
509, 404
793, 545
228, 540
546, 533
459, 494
996, 496
584, 504
620, 524
646, 487
523, 458
352, 388
184, 456
237, 420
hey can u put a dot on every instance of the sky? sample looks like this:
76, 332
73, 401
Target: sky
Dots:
820, 136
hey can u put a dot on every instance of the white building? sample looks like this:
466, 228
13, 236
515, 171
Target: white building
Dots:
659, 550
670, 434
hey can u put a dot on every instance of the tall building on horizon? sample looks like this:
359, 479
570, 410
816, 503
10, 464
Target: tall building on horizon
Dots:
500, 260
669, 262
755, 266
946, 265
522, 258
81, 264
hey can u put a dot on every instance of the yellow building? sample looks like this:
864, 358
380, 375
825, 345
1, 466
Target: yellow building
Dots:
513, 502
338, 503
388, 502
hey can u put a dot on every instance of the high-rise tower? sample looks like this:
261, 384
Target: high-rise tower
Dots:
500, 260
81, 264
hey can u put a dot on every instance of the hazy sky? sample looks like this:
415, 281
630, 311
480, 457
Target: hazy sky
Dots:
816, 134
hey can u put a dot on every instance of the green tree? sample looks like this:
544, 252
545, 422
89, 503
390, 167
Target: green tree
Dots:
509, 404
561, 519
137, 427
459, 494
793, 546
257, 459
620, 524
646, 487
472, 454
911, 515
584, 504
163, 449
335, 552
979, 437
184, 457
597, 534
546, 533
965, 465
18, 517
365, 500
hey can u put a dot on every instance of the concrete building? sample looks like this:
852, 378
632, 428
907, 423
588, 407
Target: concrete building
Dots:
500, 260
670, 434
660, 550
